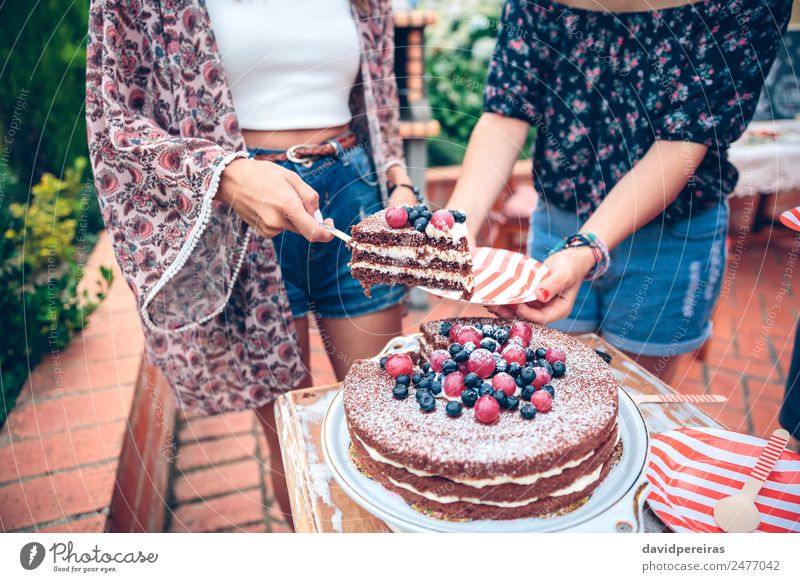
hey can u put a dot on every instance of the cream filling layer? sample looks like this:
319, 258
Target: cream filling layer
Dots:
417, 272
480, 483
578, 485
422, 254
456, 232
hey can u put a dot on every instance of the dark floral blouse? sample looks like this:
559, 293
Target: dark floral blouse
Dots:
602, 87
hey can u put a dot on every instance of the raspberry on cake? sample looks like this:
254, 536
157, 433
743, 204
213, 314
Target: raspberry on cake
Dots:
490, 443
413, 246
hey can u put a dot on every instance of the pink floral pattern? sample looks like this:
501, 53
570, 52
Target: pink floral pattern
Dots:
161, 128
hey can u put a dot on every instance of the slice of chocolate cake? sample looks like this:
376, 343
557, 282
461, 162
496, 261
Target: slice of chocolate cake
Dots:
413, 246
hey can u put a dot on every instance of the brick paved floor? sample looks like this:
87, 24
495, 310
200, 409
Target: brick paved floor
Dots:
59, 448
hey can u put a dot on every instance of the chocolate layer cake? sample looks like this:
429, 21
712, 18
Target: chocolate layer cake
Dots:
412, 246
420, 433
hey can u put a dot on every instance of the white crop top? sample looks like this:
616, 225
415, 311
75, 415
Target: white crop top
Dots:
290, 64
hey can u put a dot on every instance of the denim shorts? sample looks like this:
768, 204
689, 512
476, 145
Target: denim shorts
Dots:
659, 293
316, 275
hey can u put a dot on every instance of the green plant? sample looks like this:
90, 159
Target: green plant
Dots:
42, 87
40, 298
459, 49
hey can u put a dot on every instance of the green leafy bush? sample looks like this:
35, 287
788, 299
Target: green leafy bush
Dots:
44, 246
42, 87
459, 48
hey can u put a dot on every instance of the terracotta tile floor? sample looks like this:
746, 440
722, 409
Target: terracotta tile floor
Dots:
59, 448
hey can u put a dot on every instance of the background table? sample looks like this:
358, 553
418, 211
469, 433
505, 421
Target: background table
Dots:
319, 505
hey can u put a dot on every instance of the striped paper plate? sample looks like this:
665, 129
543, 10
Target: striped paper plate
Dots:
791, 218
501, 278
692, 468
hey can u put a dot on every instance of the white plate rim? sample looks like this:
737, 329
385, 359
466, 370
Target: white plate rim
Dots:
632, 483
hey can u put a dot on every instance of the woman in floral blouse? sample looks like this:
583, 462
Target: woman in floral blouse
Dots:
193, 199
635, 103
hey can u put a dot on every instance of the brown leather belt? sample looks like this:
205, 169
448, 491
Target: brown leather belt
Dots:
306, 152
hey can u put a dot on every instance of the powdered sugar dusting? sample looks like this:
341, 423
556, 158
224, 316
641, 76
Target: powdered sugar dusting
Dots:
584, 411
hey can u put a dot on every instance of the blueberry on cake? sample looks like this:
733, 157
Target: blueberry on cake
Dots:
493, 420
413, 246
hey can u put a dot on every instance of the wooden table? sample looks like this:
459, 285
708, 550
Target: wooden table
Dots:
319, 505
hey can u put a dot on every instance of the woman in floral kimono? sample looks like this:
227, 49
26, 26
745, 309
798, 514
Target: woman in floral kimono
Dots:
217, 130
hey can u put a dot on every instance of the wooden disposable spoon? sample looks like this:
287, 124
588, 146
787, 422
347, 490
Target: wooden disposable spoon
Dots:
738, 513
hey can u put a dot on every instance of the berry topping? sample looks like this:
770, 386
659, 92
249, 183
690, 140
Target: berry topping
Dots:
500, 365
458, 216
541, 377
454, 384
522, 332
488, 343
514, 369
413, 216
454, 349
487, 409
514, 354
437, 359
527, 411
396, 217
427, 402
436, 387
540, 353
469, 396
420, 224
501, 397
472, 380
542, 400
399, 365
501, 336
400, 392
527, 375
421, 393
442, 220
444, 328
554, 355
453, 332
485, 389
415, 379
449, 367
383, 362
512, 403
527, 392
425, 384
468, 334
453, 408
550, 389
481, 363
544, 364
559, 369
504, 382
462, 356
403, 379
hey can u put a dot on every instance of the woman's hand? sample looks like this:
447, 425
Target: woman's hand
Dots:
557, 291
401, 194
272, 199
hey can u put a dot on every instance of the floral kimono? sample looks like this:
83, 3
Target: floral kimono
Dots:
162, 128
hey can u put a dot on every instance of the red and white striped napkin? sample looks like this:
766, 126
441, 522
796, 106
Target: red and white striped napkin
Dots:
501, 278
690, 469
791, 218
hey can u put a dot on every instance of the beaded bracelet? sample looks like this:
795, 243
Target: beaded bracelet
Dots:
602, 258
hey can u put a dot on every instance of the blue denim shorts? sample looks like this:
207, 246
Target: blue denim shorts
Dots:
659, 293
316, 275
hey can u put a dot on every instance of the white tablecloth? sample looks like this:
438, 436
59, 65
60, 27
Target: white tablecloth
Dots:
767, 157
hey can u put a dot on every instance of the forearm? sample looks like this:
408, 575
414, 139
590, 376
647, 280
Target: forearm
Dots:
645, 191
493, 149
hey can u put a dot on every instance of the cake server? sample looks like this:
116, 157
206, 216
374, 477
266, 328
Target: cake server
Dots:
738, 513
